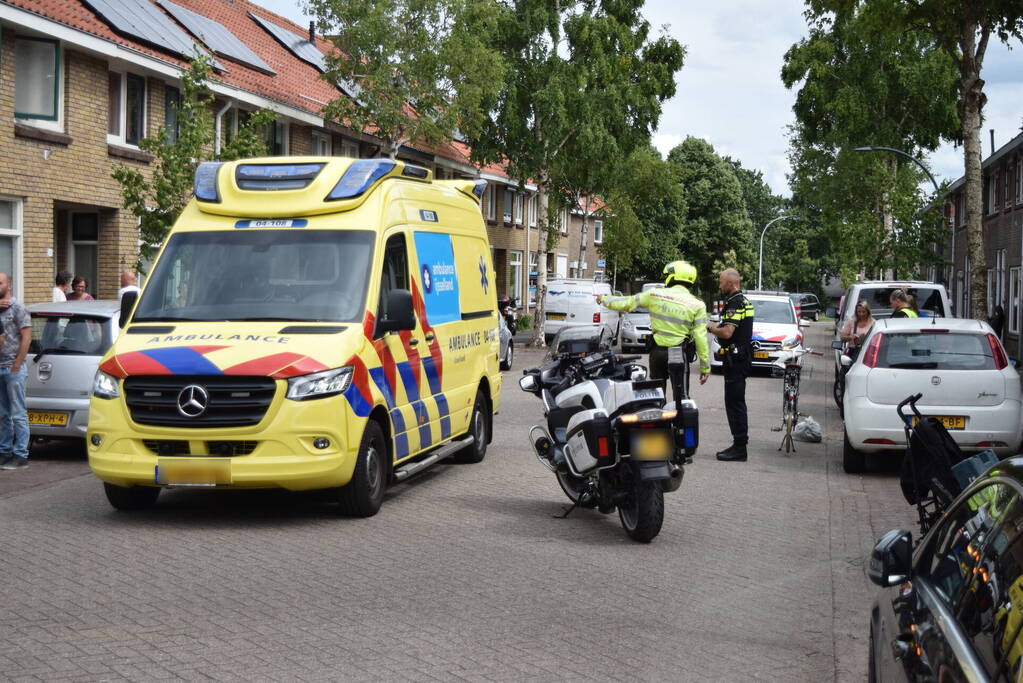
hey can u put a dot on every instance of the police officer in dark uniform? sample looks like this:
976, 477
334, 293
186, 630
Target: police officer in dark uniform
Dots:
735, 334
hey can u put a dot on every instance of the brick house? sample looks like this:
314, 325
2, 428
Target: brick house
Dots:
80, 85
1003, 241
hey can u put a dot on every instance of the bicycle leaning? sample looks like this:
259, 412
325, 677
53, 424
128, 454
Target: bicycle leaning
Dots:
789, 366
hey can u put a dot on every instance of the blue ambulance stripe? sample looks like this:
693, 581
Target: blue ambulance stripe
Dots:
401, 446
409, 381
182, 360
431, 374
359, 405
381, 381
425, 436
442, 411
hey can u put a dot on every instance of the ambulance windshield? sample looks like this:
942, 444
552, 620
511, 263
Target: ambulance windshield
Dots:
253, 274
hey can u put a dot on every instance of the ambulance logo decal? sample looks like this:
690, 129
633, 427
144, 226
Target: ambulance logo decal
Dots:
483, 275
427, 279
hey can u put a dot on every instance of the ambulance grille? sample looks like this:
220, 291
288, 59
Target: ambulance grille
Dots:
232, 401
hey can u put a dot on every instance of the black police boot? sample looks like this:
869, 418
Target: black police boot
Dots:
734, 453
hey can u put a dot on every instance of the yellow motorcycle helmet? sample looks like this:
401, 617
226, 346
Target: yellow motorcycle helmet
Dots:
679, 272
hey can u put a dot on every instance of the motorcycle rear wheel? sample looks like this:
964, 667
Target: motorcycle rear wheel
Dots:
643, 515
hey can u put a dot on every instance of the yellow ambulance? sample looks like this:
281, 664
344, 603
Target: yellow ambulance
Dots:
310, 323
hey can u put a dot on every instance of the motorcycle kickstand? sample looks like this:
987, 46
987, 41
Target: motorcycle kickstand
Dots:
565, 512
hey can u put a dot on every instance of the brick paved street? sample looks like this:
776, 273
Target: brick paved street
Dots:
464, 574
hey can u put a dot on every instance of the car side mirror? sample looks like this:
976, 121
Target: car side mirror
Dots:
891, 561
845, 361
837, 345
128, 300
400, 314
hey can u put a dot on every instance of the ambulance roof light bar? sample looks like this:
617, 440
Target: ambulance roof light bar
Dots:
205, 184
359, 177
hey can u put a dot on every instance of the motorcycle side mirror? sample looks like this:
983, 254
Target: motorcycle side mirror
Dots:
891, 561
837, 345
529, 383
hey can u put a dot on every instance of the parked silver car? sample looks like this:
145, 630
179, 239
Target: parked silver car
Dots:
68, 340
636, 329
507, 344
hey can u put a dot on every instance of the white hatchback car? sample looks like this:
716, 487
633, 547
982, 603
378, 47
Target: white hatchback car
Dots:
775, 327
958, 365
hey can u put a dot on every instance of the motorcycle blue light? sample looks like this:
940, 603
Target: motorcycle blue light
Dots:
359, 177
205, 183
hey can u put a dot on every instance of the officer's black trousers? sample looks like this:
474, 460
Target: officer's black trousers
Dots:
736, 371
659, 362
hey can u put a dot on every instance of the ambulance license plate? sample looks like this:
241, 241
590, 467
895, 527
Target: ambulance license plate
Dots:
192, 471
555, 316
949, 421
651, 444
36, 417
761, 355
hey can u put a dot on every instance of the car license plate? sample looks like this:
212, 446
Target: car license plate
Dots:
949, 421
651, 444
555, 316
36, 417
761, 355
192, 471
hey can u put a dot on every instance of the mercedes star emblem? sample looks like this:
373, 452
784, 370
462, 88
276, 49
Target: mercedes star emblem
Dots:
193, 401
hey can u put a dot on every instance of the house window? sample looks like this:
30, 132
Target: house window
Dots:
992, 193
488, 199
37, 79
171, 109
598, 232
519, 200
1014, 300
1005, 190
515, 274
564, 222
1019, 181
126, 108
534, 260
10, 241
277, 139
321, 146
532, 210
508, 199
350, 148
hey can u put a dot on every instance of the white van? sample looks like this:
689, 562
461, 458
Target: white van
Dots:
574, 302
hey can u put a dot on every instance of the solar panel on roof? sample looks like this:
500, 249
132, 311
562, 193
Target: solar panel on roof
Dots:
304, 49
142, 20
216, 36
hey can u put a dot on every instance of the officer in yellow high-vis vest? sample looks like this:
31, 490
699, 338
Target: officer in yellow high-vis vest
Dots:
900, 305
675, 316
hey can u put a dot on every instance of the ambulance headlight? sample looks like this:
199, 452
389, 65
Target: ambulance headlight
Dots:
359, 177
320, 384
105, 386
205, 185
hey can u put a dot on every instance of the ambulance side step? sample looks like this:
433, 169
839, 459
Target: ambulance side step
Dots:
403, 472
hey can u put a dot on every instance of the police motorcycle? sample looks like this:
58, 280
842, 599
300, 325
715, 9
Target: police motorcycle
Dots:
610, 438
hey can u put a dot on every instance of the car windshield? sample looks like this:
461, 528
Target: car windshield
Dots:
935, 351
287, 275
928, 301
771, 311
66, 334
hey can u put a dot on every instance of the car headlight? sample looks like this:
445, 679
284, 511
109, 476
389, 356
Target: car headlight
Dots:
319, 384
105, 386
790, 342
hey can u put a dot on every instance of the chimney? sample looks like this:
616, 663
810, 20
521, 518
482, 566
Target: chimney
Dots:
312, 39
992, 131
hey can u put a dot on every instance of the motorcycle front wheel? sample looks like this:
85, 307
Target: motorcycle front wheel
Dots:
643, 514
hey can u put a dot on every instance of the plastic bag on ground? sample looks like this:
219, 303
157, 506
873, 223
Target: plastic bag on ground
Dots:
807, 429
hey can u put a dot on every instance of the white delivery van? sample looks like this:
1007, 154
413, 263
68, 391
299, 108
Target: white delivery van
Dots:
574, 302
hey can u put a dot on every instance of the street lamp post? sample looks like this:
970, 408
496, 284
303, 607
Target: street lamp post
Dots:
760, 266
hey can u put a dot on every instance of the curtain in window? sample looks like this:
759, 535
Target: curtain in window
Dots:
35, 78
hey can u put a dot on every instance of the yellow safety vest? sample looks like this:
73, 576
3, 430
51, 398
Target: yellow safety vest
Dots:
675, 315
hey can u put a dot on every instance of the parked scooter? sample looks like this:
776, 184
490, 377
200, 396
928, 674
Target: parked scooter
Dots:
611, 439
507, 307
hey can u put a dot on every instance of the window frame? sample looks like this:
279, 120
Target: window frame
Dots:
1014, 300
992, 193
564, 221
531, 208
319, 138
121, 137
489, 197
508, 205
515, 266
598, 229
349, 148
171, 111
285, 138
16, 233
519, 207
56, 121
1019, 180
1006, 200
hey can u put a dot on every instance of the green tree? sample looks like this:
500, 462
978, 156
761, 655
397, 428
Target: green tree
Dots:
411, 70
865, 82
717, 232
156, 202
584, 86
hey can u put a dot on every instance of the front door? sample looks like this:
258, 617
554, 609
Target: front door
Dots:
83, 255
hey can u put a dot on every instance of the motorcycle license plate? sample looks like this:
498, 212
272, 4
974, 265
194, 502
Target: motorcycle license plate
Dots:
651, 444
949, 421
761, 355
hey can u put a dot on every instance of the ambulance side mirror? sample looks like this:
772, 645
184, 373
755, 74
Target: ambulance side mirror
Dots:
399, 314
127, 303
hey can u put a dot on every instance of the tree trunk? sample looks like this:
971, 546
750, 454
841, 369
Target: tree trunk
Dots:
971, 94
540, 312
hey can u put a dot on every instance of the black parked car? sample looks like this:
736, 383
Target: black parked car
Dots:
953, 610
808, 304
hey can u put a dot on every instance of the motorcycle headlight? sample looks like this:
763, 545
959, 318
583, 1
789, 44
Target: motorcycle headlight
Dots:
105, 386
319, 384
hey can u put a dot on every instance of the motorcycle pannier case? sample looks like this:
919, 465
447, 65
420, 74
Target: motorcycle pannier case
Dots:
590, 443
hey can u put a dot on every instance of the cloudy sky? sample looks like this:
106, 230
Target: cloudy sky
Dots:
730, 91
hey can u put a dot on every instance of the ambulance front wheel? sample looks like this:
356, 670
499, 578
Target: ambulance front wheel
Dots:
363, 495
477, 450
131, 498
